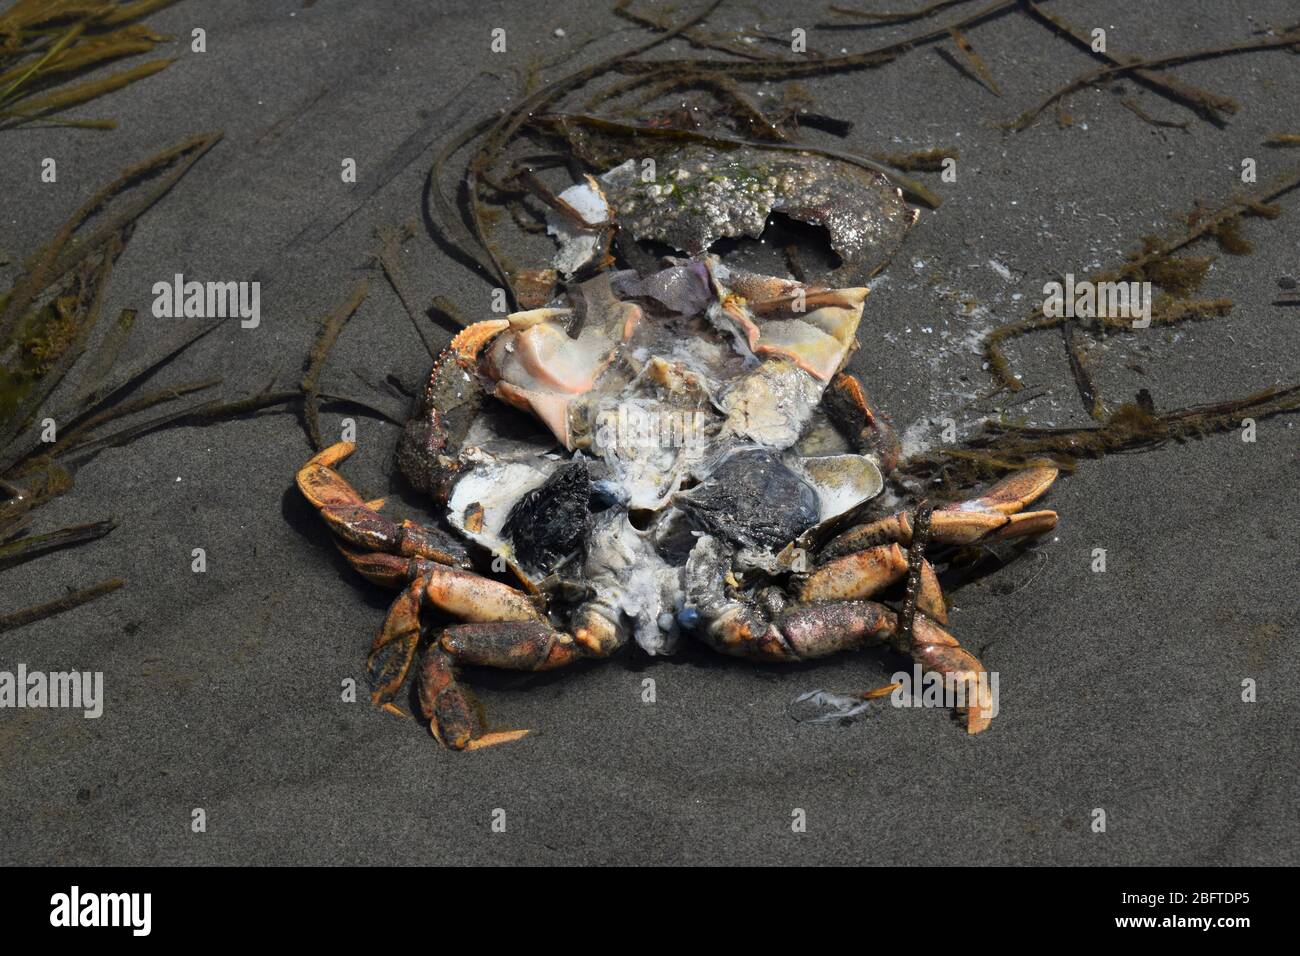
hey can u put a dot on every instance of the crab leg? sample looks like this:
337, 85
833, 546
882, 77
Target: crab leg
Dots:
459, 593
503, 627
856, 575
359, 522
1011, 493
394, 646
523, 645
444, 412
820, 630
453, 718
506, 630
929, 599
846, 404
824, 629
861, 574
738, 626
454, 592
386, 570
993, 516
470, 597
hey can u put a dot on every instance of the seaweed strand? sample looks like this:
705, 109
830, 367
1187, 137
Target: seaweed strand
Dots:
1084, 80
26, 549
1209, 105
41, 611
1155, 253
329, 334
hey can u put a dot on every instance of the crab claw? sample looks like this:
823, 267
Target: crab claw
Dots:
359, 522
1012, 493
990, 517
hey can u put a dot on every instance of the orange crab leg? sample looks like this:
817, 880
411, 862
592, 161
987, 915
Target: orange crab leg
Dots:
736, 625
990, 517
510, 645
861, 574
846, 404
946, 527
386, 570
937, 650
394, 646
856, 575
1012, 493
452, 714
523, 645
473, 598
361, 525
321, 484
929, 600
359, 522
820, 630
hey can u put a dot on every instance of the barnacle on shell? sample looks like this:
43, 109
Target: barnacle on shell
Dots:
696, 195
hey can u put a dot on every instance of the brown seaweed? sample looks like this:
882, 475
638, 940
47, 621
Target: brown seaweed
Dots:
1155, 263
1000, 448
1132, 65
41, 611
883, 17
48, 49
1209, 105
329, 334
978, 68
47, 319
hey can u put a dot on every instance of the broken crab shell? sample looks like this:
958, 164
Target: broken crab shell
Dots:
699, 194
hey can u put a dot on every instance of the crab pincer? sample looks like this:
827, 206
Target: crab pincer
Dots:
994, 515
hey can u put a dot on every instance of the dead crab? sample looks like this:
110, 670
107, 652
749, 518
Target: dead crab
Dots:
705, 467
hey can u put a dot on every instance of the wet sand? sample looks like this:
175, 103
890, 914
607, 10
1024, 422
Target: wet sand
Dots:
1118, 690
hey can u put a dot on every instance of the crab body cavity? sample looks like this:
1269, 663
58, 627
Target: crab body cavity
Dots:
672, 407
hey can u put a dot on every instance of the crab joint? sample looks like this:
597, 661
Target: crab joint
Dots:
473, 598
856, 575
509, 645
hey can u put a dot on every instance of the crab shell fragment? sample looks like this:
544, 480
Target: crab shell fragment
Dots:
699, 194
674, 407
